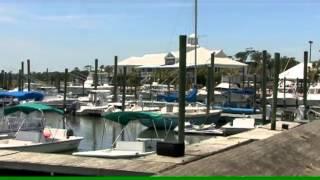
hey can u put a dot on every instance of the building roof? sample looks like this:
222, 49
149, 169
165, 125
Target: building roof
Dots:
294, 72
203, 58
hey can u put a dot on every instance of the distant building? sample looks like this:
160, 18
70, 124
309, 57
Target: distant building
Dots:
150, 62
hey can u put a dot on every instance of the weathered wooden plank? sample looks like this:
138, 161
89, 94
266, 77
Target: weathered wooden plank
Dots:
257, 134
79, 165
7, 152
176, 160
280, 123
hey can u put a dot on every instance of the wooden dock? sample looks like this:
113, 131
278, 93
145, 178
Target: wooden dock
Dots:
149, 165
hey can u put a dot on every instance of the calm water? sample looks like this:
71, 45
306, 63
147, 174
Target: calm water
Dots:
99, 133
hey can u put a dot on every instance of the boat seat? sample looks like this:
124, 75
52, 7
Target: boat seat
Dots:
33, 136
130, 146
57, 133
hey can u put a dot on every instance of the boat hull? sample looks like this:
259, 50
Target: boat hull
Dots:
51, 147
170, 121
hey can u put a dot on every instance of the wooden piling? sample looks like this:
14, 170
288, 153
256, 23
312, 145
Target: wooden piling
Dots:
115, 77
2, 79
10, 80
28, 75
65, 90
255, 92
284, 93
182, 84
297, 86
275, 90
213, 78
305, 78
5, 80
124, 88
263, 86
19, 80
22, 75
209, 85
95, 80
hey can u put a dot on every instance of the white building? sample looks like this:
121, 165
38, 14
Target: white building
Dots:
149, 62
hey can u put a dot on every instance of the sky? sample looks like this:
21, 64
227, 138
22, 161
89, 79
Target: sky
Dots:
60, 34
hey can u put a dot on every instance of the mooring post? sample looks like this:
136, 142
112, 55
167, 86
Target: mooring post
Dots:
115, 79
2, 79
243, 77
255, 92
28, 75
95, 80
213, 78
284, 93
297, 87
19, 80
305, 88
47, 75
275, 90
65, 97
22, 75
124, 88
5, 80
83, 88
263, 86
209, 85
182, 85
229, 90
10, 80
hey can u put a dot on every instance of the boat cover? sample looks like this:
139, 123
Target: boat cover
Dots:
31, 107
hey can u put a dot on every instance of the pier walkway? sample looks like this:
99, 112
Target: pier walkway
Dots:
214, 156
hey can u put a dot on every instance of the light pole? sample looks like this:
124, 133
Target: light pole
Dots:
310, 42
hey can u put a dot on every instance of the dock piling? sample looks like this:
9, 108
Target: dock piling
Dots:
275, 90
124, 88
115, 77
28, 75
255, 92
209, 84
182, 85
284, 93
305, 88
22, 75
263, 86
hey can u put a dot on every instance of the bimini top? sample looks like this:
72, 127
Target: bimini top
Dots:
125, 117
31, 107
21, 95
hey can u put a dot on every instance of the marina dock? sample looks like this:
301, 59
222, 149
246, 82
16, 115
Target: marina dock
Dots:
212, 151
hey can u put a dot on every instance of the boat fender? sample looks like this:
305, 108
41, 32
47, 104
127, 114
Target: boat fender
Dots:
69, 133
46, 134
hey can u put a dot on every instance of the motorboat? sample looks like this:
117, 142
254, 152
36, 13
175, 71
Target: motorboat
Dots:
45, 139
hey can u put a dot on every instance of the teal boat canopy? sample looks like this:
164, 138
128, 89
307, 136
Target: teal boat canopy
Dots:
31, 107
125, 117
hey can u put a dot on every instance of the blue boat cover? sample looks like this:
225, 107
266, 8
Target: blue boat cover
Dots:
173, 97
20, 95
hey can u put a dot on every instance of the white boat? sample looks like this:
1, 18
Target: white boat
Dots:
154, 89
83, 89
42, 140
203, 129
123, 149
313, 96
288, 97
95, 104
238, 125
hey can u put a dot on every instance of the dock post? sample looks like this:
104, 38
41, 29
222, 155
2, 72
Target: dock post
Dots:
115, 77
284, 93
213, 78
275, 90
124, 88
255, 92
95, 79
19, 80
297, 87
263, 86
47, 75
28, 75
305, 88
65, 97
22, 75
2, 79
243, 77
229, 91
209, 85
10, 80
83, 87
5, 80
182, 84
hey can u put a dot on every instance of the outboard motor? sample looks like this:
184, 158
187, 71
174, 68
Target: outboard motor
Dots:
69, 133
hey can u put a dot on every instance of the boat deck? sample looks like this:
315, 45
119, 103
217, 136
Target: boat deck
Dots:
149, 165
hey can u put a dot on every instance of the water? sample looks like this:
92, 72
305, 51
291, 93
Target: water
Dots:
99, 133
